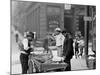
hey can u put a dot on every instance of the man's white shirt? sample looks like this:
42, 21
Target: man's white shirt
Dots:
25, 43
59, 39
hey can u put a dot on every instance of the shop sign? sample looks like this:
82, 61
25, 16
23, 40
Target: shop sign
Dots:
53, 22
86, 18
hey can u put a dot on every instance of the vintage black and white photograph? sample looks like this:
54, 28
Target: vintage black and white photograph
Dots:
52, 37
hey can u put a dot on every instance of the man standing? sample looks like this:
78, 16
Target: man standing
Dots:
68, 50
59, 38
25, 49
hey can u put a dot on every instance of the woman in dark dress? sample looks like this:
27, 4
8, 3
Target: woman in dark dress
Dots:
68, 50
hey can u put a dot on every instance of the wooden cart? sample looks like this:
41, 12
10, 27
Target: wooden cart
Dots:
41, 63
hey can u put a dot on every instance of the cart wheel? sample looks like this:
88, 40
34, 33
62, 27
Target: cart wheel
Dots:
32, 68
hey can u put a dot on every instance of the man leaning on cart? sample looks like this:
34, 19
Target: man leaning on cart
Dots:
25, 49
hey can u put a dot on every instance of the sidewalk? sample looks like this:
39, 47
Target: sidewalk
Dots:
77, 64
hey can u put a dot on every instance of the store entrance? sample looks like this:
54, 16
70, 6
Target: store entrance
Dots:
69, 23
81, 25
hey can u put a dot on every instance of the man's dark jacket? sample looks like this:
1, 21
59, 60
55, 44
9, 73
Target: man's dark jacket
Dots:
68, 48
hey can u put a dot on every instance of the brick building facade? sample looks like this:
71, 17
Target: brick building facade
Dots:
41, 18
